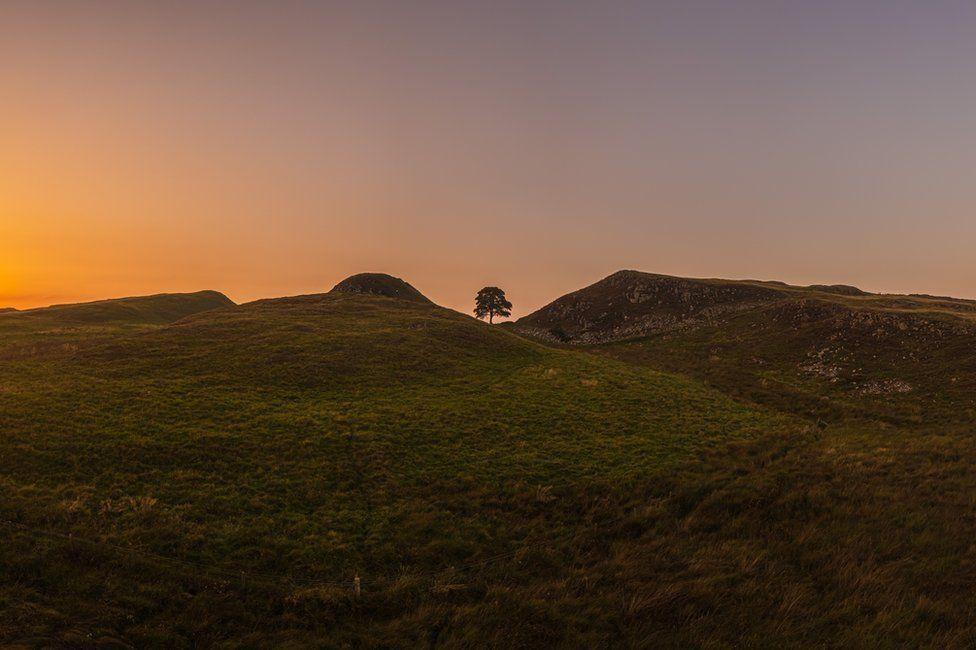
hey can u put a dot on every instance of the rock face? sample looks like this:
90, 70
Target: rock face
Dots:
380, 284
630, 304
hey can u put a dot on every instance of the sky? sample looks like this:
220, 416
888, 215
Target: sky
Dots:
273, 148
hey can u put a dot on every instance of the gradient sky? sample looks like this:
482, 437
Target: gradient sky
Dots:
273, 148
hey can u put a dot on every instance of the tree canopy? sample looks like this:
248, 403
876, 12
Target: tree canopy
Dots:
491, 302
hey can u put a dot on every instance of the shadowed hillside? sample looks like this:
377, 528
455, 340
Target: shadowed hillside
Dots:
630, 304
823, 351
633, 304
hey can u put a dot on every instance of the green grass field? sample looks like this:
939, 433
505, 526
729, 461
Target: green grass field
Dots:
225, 478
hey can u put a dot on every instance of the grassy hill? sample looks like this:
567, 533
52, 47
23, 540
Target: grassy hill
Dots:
822, 351
31, 331
158, 309
863, 527
225, 477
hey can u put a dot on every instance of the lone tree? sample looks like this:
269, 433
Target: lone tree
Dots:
491, 302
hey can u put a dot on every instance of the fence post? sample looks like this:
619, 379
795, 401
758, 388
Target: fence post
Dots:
356, 585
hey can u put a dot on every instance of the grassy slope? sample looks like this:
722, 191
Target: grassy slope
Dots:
161, 308
313, 438
877, 508
820, 352
858, 534
830, 359
37, 331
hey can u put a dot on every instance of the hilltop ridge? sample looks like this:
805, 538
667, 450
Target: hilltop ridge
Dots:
62, 329
822, 350
380, 284
630, 304
154, 309
634, 304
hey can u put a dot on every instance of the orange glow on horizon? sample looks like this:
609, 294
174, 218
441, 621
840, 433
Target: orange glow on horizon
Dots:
262, 152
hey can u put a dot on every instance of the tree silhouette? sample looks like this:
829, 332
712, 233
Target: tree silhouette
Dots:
491, 302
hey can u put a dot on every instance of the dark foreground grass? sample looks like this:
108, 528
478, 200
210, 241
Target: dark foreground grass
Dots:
225, 478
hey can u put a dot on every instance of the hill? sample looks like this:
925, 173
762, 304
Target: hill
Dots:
380, 284
223, 479
157, 309
65, 327
842, 289
819, 351
630, 304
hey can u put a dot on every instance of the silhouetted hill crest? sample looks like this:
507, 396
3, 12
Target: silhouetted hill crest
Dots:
839, 289
380, 284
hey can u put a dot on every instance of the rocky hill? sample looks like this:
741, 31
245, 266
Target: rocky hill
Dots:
630, 304
380, 284
822, 350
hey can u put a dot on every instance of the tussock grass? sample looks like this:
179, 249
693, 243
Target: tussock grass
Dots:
478, 483
488, 491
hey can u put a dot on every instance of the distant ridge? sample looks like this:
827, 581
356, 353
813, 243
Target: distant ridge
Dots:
7, 310
156, 309
839, 289
380, 284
